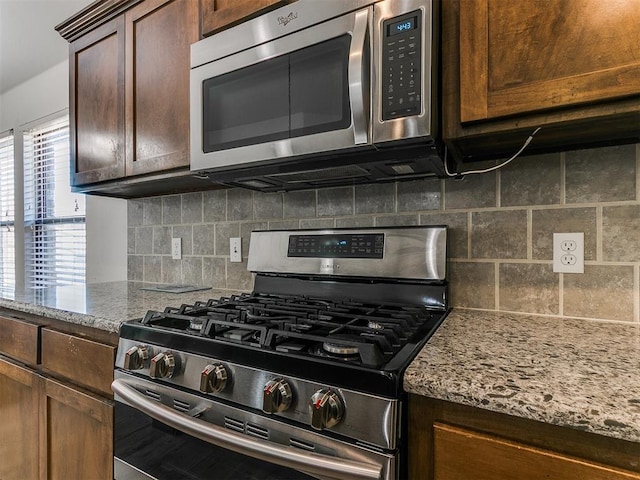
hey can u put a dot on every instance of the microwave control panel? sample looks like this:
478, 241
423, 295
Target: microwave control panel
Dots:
401, 66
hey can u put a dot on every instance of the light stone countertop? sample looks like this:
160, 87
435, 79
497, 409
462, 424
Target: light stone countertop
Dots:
102, 305
574, 373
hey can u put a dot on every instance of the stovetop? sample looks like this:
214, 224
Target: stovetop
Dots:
341, 331
349, 308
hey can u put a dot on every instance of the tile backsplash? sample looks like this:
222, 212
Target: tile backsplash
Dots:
501, 229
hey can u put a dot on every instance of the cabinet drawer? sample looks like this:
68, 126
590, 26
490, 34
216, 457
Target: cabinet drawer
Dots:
462, 454
85, 362
20, 340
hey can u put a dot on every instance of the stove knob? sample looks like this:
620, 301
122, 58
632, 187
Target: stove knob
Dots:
136, 357
163, 365
276, 396
213, 378
326, 409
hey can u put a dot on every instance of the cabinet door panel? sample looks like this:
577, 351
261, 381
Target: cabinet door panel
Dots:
159, 34
217, 14
461, 454
96, 70
79, 434
518, 57
19, 434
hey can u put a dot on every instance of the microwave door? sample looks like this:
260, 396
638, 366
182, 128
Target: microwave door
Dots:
304, 93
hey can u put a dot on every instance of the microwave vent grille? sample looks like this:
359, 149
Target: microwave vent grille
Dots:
320, 175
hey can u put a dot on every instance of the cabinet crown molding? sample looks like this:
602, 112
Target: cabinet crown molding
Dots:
92, 16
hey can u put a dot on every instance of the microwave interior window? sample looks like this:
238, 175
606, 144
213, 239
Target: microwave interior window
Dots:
301, 93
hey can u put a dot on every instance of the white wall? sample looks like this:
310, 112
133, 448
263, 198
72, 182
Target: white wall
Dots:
36, 98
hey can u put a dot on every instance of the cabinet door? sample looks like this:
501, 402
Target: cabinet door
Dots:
77, 435
19, 434
20, 340
461, 454
217, 14
522, 56
159, 34
96, 81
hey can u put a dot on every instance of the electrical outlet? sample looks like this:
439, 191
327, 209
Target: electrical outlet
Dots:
176, 248
568, 252
235, 249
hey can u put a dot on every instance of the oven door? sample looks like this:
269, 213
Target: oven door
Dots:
165, 433
303, 93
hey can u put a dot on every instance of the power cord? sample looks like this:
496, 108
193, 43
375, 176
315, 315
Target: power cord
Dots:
461, 175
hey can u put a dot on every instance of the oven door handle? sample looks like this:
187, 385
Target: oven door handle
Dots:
311, 463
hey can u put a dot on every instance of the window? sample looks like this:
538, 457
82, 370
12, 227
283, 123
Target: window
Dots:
54, 216
7, 213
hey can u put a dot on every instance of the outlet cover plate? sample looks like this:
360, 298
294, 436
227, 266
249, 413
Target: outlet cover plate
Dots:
568, 252
235, 249
176, 248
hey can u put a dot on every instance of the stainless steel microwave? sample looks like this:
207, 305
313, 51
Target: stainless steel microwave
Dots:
318, 93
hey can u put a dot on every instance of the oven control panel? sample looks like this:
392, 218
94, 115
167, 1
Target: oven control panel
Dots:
337, 245
401, 66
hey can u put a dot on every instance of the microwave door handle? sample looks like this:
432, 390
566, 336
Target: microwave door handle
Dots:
311, 463
357, 81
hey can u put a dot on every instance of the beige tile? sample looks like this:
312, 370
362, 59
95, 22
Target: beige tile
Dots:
355, 222
238, 277
544, 223
473, 191
601, 174
214, 272
499, 234
457, 231
472, 285
603, 291
621, 233
531, 180
375, 198
530, 288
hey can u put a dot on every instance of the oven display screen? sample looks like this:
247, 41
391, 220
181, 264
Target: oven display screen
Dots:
346, 245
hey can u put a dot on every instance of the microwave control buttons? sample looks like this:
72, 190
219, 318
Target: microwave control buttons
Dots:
213, 378
276, 396
163, 365
136, 357
401, 64
326, 409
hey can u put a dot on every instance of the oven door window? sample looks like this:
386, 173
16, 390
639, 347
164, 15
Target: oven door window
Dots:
297, 94
166, 454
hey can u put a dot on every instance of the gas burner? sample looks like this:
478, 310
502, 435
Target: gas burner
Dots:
196, 324
341, 348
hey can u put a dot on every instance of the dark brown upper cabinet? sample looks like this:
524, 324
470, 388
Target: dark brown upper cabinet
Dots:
571, 67
219, 14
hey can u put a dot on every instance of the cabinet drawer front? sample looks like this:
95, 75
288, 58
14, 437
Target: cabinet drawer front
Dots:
467, 455
19, 340
83, 361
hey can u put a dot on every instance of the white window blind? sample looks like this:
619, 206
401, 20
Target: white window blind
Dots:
7, 213
55, 240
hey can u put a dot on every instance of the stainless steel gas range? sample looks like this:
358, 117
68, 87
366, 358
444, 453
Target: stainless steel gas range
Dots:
302, 378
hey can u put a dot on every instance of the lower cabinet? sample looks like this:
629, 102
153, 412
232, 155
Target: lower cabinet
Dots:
78, 435
19, 421
57, 422
455, 442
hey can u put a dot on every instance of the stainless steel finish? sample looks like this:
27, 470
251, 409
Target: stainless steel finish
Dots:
276, 396
301, 24
136, 357
354, 24
414, 125
124, 471
409, 253
326, 409
247, 390
270, 26
163, 365
213, 378
331, 459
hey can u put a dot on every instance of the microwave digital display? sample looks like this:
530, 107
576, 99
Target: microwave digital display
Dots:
403, 26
